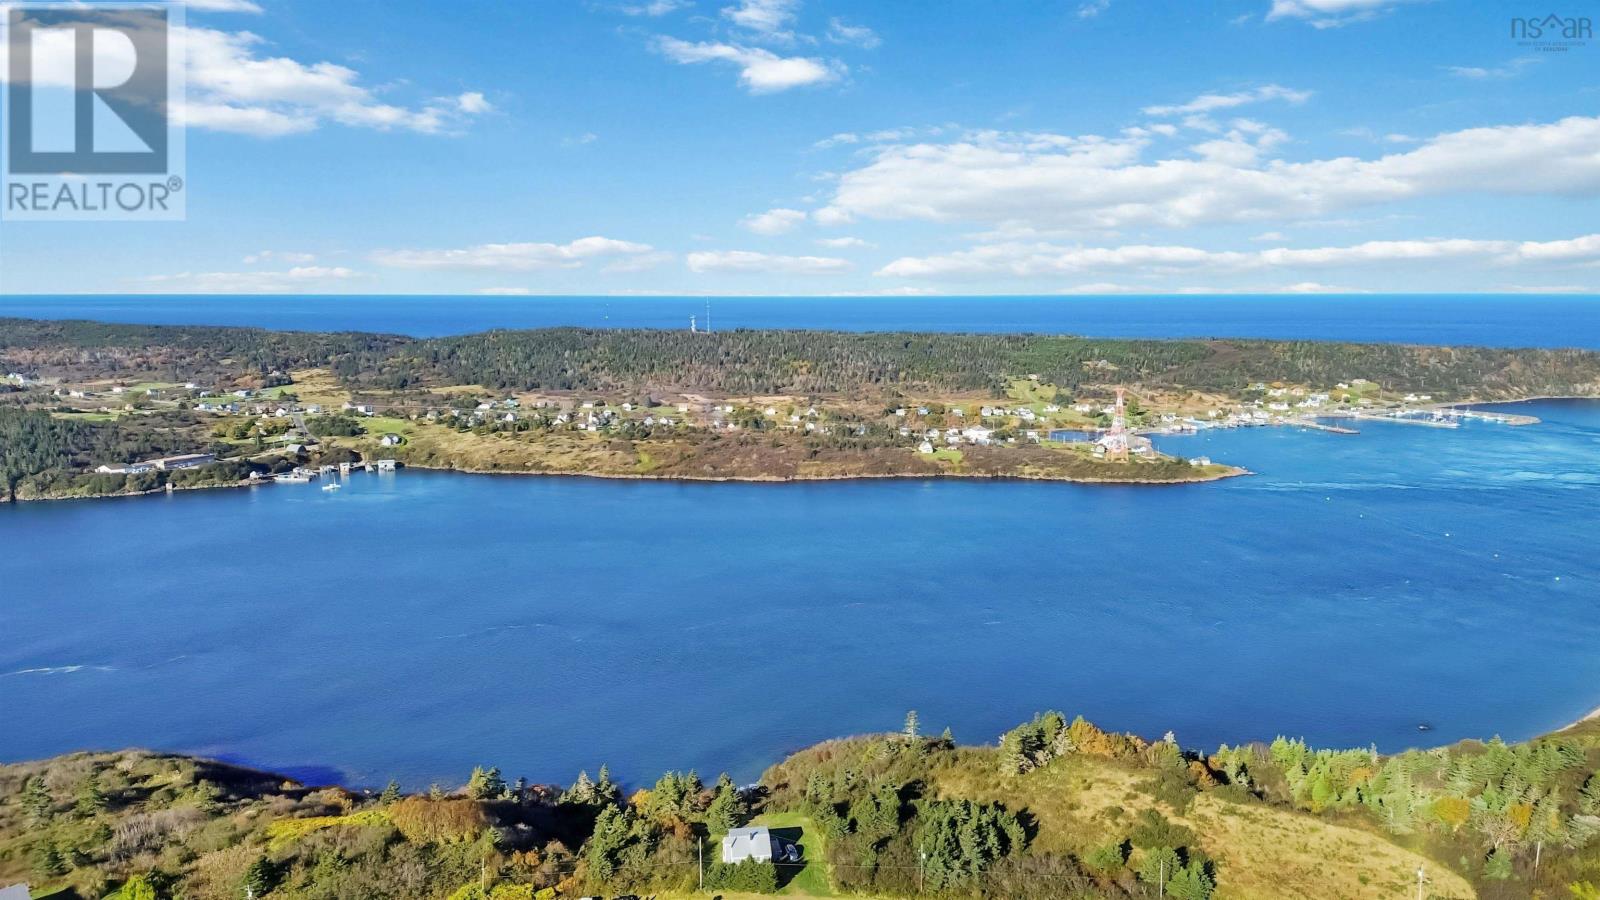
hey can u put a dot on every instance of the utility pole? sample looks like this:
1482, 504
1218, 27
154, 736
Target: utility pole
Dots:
700, 857
922, 854
1161, 880
1538, 851
1422, 877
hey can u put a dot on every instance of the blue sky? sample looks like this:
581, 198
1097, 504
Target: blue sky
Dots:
811, 147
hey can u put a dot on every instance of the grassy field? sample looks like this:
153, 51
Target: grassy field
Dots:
315, 386
812, 879
1263, 852
378, 426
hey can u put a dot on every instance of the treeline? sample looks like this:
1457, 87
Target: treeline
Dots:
43, 455
181, 352
1510, 809
901, 815
808, 362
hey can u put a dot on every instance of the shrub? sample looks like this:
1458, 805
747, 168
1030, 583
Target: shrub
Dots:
439, 821
751, 875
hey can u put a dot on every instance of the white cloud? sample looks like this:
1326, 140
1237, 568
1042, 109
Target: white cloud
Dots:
832, 215
1211, 102
297, 279
281, 256
749, 262
1091, 8
767, 19
843, 137
653, 9
760, 71
861, 36
231, 6
472, 103
841, 243
773, 221
1331, 13
503, 292
1315, 287
232, 87
1479, 73
1016, 181
1036, 260
1548, 288
520, 257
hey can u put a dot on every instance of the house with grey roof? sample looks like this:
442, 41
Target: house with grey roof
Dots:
759, 844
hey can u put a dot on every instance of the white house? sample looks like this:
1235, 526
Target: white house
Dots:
124, 468
759, 844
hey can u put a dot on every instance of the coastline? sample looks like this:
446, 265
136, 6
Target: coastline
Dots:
1591, 716
1233, 472
121, 494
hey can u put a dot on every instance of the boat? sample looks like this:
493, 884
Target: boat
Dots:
292, 478
333, 486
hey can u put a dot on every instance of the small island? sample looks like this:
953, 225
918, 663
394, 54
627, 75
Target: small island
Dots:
91, 409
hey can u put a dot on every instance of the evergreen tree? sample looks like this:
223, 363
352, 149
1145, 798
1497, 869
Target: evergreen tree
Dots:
391, 793
604, 789
604, 850
909, 731
485, 784
260, 878
582, 790
1159, 866
1192, 882
727, 810
37, 801
47, 860
962, 839
90, 799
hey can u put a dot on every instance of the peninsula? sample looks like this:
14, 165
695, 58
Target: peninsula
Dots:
94, 409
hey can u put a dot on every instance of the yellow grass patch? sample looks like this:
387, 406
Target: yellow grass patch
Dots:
1261, 851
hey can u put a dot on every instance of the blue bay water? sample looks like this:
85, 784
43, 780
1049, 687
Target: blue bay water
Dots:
1512, 321
418, 624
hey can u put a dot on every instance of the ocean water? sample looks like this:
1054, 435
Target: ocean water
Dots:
1353, 591
1524, 320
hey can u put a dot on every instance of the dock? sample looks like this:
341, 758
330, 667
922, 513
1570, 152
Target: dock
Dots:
1409, 417
1498, 418
1323, 426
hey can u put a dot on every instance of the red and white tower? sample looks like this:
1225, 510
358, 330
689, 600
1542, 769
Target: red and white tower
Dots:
1116, 441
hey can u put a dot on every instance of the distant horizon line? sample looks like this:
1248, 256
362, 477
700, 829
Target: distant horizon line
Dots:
829, 296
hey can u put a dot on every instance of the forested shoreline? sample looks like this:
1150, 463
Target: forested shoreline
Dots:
1058, 808
772, 361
